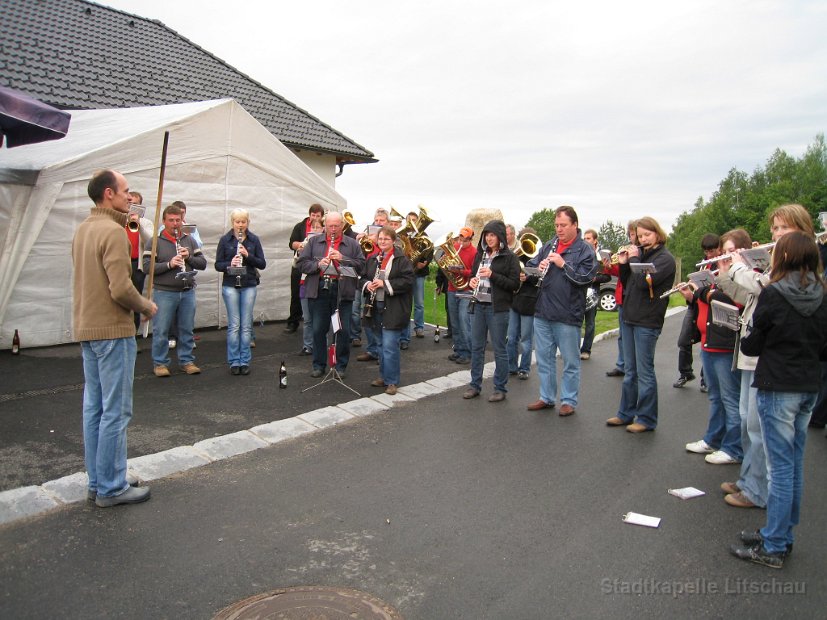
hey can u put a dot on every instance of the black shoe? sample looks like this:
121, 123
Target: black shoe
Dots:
290, 329
683, 380
463, 360
753, 538
403, 346
305, 351
453, 357
342, 373
317, 372
448, 335
758, 555
235, 370
615, 372
244, 370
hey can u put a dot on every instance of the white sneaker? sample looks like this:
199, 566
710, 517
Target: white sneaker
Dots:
720, 457
699, 447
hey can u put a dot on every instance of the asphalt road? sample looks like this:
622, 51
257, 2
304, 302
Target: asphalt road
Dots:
443, 508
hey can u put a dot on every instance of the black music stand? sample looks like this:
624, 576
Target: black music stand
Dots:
333, 374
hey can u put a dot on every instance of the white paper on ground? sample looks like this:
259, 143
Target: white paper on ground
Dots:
686, 492
638, 519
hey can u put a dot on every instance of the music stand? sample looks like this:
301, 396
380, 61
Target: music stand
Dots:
333, 374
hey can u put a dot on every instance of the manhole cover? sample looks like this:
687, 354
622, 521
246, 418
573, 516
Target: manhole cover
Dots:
310, 602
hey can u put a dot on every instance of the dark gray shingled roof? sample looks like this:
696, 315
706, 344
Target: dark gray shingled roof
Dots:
78, 55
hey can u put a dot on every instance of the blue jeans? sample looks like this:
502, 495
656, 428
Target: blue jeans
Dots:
639, 393
588, 335
321, 309
619, 362
460, 324
307, 327
784, 418
168, 303
520, 338
753, 478
239, 303
553, 335
723, 432
418, 305
108, 370
356, 316
389, 351
485, 321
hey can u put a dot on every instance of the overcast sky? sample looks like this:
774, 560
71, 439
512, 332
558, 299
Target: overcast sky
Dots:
621, 109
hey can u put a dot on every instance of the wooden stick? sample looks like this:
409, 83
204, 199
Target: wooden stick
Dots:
158, 204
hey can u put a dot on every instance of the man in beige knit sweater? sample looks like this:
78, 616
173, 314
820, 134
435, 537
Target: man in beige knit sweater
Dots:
103, 304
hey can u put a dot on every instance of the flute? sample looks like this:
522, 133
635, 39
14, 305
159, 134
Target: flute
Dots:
729, 255
682, 285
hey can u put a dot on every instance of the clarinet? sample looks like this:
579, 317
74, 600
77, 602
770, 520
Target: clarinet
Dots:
368, 308
326, 279
545, 271
473, 301
176, 236
240, 238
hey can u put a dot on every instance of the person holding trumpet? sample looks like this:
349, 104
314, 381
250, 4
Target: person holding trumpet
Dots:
387, 291
239, 256
139, 230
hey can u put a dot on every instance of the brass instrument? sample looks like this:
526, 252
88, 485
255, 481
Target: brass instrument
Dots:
529, 245
404, 232
133, 225
367, 245
448, 258
349, 221
420, 244
615, 259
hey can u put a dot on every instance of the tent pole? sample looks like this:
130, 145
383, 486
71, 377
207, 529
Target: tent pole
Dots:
157, 223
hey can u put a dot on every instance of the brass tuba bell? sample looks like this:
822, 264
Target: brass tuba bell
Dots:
349, 221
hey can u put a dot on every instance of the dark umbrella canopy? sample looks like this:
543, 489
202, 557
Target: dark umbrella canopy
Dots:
24, 120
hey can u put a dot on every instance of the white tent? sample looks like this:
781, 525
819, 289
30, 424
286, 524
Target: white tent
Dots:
219, 159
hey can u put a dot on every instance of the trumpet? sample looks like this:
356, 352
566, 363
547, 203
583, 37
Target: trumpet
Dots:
133, 226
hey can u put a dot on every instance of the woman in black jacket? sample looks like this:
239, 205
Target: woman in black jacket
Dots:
239, 256
387, 291
643, 313
788, 333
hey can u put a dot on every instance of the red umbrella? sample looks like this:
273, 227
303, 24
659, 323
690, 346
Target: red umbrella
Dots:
24, 120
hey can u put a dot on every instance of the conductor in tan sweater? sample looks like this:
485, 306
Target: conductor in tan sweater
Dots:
104, 300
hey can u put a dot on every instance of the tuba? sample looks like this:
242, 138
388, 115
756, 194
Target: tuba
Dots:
420, 244
448, 257
529, 245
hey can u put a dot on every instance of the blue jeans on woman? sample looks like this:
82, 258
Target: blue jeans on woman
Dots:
239, 303
753, 478
485, 321
520, 338
639, 393
108, 370
723, 432
389, 364
553, 335
784, 418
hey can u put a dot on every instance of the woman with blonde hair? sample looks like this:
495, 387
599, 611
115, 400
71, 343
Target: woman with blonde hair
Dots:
239, 257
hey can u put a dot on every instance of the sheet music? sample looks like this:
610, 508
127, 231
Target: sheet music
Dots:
756, 258
701, 278
725, 315
643, 268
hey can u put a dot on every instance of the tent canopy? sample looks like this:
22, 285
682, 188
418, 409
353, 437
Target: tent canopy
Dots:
219, 159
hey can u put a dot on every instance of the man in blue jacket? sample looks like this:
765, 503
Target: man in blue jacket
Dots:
568, 265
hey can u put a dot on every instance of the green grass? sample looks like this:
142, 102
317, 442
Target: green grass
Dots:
435, 312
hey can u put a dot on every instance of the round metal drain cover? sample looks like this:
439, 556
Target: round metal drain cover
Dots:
308, 603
